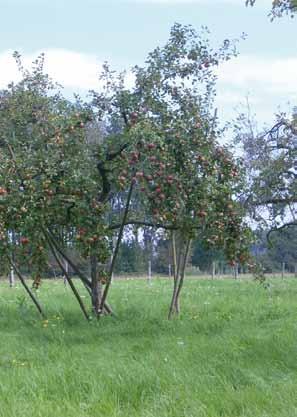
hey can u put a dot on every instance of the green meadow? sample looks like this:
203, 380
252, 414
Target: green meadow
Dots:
231, 353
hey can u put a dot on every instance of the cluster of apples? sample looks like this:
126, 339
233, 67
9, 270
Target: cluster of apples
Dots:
3, 191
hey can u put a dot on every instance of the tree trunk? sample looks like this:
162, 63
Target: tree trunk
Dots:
176, 308
179, 275
176, 263
96, 286
49, 235
69, 280
87, 283
182, 274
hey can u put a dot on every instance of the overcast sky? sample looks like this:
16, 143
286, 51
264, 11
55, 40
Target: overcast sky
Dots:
77, 36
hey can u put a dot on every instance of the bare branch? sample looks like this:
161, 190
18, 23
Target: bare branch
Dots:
119, 239
278, 229
144, 224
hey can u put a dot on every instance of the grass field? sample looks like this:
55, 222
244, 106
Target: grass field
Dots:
232, 353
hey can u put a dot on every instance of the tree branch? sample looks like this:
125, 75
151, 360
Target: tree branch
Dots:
145, 224
119, 239
278, 229
113, 155
69, 280
275, 201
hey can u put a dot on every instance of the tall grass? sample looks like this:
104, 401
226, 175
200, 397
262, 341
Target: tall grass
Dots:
232, 352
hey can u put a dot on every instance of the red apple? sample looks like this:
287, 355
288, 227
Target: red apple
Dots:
151, 146
201, 213
24, 240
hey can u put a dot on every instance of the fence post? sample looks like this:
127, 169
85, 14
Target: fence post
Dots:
235, 269
11, 278
149, 271
213, 270
283, 270
66, 266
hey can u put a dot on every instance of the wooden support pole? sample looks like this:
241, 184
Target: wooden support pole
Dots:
149, 277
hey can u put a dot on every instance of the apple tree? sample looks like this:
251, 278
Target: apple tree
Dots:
183, 180
279, 7
269, 158
49, 180
157, 160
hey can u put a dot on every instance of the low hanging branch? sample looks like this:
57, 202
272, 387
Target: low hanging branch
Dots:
119, 239
69, 280
23, 282
278, 229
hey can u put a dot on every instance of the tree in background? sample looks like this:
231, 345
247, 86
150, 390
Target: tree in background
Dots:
279, 7
279, 253
269, 158
204, 257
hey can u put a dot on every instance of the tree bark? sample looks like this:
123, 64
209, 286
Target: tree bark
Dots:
96, 286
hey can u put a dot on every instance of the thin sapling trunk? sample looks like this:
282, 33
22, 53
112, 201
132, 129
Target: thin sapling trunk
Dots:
179, 277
